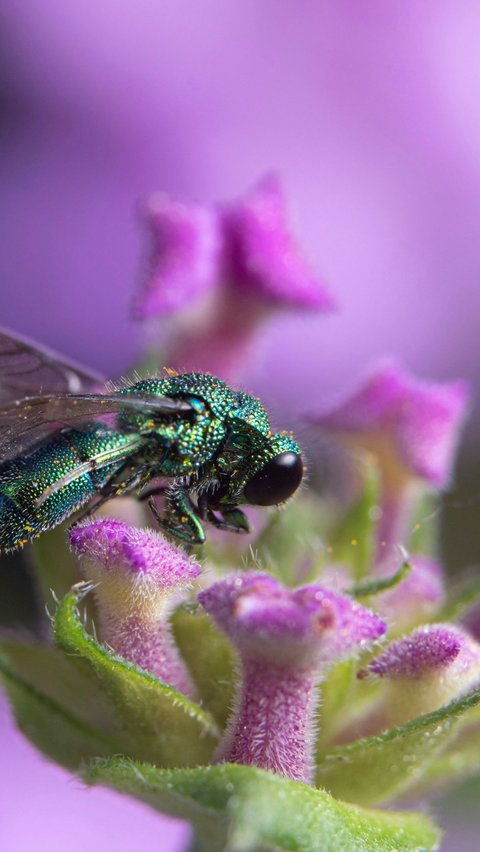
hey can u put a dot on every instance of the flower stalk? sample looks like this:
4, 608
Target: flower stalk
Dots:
137, 575
286, 640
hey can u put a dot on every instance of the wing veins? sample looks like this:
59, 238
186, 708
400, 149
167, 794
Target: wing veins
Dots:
33, 418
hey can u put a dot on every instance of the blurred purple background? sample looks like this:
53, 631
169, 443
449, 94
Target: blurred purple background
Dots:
370, 112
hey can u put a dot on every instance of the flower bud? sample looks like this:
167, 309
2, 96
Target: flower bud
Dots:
425, 670
137, 576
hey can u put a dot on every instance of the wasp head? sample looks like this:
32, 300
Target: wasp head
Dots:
265, 473
274, 473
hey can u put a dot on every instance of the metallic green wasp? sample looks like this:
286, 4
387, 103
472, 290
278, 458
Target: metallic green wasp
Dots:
189, 437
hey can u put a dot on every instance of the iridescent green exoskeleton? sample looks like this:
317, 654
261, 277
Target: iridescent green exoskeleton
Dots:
192, 439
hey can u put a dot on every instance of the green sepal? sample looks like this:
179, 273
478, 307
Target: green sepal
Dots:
244, 809
210, 659
377, 769
459, 762
369, 588
451, 768
352, 541
80, 700
153, 719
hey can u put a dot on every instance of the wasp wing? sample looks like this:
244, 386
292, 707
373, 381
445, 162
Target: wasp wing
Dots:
26, 421
25, 368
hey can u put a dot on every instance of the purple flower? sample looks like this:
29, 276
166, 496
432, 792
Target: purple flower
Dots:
137, 574
409, 427
184, 255
425, 670
286, 639
236, 263
262, 255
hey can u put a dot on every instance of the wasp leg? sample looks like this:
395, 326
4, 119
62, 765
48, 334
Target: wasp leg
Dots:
156, 491
179, 518
231, 520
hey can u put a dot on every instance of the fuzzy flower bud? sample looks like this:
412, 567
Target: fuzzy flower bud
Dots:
137, 574
286, 639
411, 430
425, 670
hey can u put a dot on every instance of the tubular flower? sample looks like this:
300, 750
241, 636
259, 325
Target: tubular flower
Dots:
235, 263
286, 640
425, 670
262, 255
137, 576
410, 428
185, 247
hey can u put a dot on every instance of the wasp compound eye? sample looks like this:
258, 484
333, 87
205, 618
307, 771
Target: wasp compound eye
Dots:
275, 482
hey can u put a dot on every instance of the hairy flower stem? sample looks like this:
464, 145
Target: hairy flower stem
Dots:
149, 644
272, 725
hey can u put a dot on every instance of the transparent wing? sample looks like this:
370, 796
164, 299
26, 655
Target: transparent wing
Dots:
25, 421
25, 368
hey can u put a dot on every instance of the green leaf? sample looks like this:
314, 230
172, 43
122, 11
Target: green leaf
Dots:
48, 672
243, 809
209, 657
154, 720
377, 769
59, 733
459, 762
352, 541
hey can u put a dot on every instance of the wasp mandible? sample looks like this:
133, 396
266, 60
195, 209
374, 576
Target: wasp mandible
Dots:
65, 444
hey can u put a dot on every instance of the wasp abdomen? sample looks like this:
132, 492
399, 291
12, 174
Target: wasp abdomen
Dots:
32, 496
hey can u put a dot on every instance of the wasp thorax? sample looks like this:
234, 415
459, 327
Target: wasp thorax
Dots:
276, 481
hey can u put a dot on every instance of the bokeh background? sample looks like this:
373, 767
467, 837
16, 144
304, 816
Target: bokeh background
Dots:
369, 111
